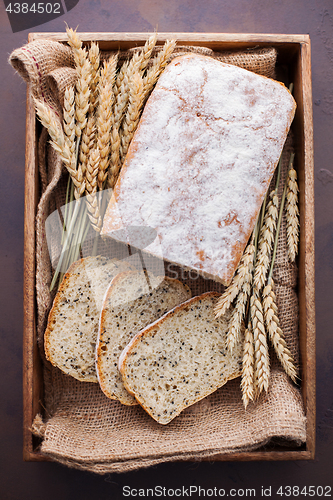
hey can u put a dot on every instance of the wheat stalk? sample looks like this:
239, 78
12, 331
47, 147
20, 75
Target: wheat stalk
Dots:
82, 97
261, 356
266, 241
292, 213
76, 44
139, 62
91, 189
87, 143
275, 333
94, 58
159, 63
237, 282
104, 117
247, 385
236, 320
69, 118
58, 141
132, 116
84, 71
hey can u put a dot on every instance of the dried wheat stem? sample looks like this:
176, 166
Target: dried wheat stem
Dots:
119, 84
75, 43
247, 384
266, 241
84, 71
69, 119
94, 58
275, 333
242, 272
104, 117
236, 320
158, 64
139, 60
261, 356
132, 116
60, 144
292, 213
82, 97
145, 53
87, 143
91, 189
278, 225
238, 314
114, 158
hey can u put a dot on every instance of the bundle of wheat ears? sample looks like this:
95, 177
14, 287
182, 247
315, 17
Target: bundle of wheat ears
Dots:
100, 116
251, 290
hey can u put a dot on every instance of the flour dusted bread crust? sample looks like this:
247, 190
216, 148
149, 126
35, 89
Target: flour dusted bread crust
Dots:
200, 162
71, 333
180, 359
133, 301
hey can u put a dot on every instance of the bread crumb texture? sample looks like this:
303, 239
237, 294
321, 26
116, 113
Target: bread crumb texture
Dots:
71, 333
180, 359
209, 129
133, 301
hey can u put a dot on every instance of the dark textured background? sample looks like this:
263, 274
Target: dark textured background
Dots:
19, 480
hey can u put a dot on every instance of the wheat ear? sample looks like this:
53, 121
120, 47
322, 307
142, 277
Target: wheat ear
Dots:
104, 120
82, 97
94, 58
146, 52
158, 64
87, 142
84, 71
118, 110
132, 116
69, 119
75, 43
275, 333
58, 141
261, 356
91, 189
237, 282
266, 241
247, 385
292, 214
238, 314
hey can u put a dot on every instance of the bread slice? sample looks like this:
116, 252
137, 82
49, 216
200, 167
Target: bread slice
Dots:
72, 328
180, 359
131, 303
200, 163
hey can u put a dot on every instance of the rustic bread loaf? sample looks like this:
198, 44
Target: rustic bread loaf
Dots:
72, 328
133, 301
200, 162
180, 358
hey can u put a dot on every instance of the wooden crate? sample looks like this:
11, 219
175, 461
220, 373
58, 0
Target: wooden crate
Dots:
294, 56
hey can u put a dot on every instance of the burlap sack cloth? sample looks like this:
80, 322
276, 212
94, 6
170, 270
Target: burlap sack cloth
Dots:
81, 427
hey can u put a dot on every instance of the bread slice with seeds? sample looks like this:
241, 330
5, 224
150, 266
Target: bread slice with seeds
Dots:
133, 301
71, 333
180, 359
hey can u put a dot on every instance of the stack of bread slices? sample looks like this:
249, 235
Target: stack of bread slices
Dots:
143, 338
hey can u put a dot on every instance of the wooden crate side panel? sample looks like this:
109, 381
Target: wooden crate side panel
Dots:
308, 301
32, 370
